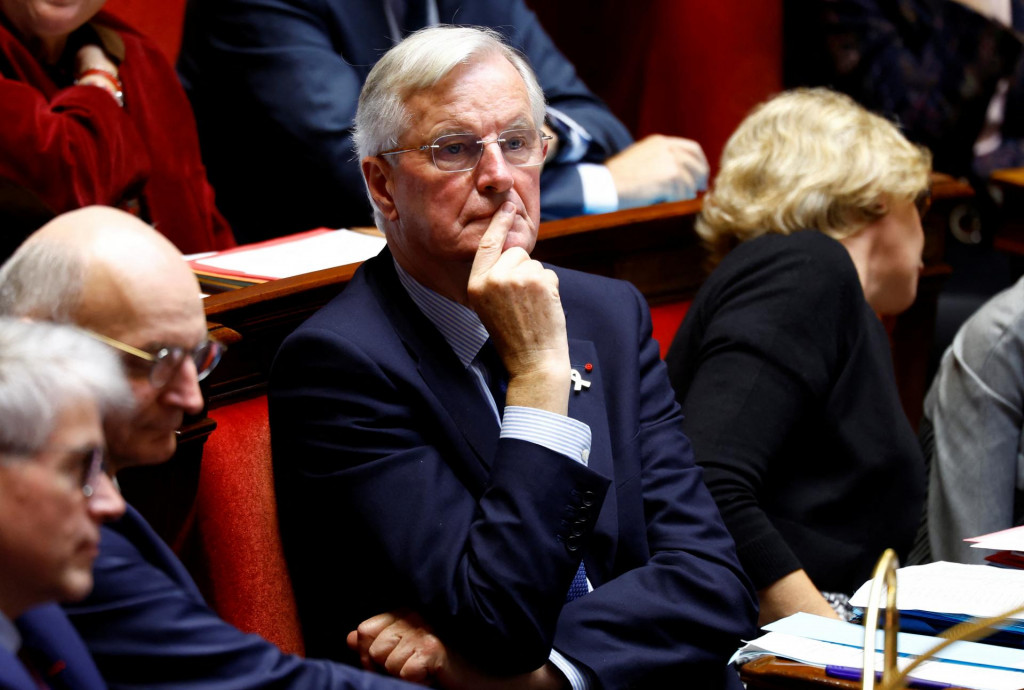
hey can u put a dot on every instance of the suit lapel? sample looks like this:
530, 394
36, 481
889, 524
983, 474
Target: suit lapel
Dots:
60, 654
133, 527
443, 377
13, 673
588, 406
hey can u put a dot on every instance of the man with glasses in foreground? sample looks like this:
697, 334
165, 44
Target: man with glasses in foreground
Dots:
465, 424
56, 388
145, 623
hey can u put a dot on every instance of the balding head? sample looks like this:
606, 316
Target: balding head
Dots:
83, 265
109, 272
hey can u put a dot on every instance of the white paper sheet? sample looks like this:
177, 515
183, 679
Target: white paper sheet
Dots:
1005, 540
972, 590
284, 259
823, 654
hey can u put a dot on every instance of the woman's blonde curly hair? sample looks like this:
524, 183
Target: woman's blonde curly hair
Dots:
808, 159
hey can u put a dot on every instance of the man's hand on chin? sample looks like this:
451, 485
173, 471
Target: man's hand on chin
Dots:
517, 300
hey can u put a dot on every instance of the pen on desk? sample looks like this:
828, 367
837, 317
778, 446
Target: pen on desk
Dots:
850, 673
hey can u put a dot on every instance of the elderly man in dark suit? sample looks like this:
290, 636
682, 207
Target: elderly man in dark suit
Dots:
56, 387
145, 622
464, 424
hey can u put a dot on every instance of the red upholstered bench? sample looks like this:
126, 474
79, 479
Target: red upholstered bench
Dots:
236, 554
666, 319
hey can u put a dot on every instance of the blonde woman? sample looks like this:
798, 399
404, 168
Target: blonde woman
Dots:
782, 366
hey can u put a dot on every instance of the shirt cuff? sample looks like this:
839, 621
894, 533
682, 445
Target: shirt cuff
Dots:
577, 678
599, 193
556, 432
573, 140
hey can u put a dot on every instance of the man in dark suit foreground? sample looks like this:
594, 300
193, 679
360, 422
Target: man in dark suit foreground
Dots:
56, 386
145, 622
463, 425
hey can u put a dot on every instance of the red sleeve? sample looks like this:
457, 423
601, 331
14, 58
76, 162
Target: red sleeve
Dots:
74, 149
177, 195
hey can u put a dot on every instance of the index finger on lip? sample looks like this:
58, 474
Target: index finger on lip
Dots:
491, 244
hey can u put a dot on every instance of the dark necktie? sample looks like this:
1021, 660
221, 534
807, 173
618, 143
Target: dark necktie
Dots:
497, 377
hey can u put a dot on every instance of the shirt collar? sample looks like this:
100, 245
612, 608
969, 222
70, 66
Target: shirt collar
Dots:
10, 638
459, 325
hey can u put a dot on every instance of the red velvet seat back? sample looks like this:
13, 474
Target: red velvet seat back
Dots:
666, 319
240, 564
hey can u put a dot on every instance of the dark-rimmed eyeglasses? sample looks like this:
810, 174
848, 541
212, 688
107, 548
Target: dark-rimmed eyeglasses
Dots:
923, 202
521, 148
164, 363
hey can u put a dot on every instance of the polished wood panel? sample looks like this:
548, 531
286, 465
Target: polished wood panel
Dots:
775, 673
1008, 188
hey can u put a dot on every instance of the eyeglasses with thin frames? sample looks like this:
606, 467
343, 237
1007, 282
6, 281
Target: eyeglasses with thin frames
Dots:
165, 362
92, 462
521, 148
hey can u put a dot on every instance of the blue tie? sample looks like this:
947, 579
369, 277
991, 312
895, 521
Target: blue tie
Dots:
579, 584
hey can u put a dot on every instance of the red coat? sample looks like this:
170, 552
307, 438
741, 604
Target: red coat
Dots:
73, 146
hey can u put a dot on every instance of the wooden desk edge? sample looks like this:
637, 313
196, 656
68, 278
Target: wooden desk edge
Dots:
284, 287
778, 673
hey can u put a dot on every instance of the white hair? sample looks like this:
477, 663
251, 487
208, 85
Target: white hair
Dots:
419, 62
46, 368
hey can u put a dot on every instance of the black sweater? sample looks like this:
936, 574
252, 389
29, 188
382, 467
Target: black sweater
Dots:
786, 381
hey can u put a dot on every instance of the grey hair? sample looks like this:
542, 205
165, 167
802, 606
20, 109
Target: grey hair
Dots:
46, 368
42, 280
419, 62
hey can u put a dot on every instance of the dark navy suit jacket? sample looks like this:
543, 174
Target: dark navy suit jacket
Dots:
274, 86
385, 451
57, 652
147, 626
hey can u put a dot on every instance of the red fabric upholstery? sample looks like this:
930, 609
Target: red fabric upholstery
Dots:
708, 64
690, 68
666, 319
239, 563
